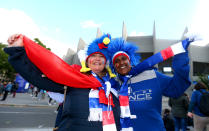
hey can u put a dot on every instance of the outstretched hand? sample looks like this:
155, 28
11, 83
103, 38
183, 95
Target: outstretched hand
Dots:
15, 40
191, 37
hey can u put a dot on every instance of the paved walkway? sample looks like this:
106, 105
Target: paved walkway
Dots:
25, 129
25, 99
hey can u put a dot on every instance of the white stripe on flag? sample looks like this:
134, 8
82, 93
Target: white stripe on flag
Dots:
114, 92
177, 48
125, 111
109, 127
95, 114
94, 93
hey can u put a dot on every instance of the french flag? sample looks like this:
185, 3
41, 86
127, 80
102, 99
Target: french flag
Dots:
165, 54
173, 50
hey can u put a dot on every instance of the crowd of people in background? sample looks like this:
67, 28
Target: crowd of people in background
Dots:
8, 88
40, 94
186, 111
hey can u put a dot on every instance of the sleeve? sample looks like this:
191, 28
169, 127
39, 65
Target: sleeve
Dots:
56, 69
193, 102
186, 103
19, 60
176, 85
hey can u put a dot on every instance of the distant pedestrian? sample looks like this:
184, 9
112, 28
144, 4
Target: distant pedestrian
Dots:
168, 120
36, 90
31, 88
7, 89
1, 88
14, 89
201, 121
179, 107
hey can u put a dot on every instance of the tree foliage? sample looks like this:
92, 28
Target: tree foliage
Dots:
40, 43
204, 79
6, 69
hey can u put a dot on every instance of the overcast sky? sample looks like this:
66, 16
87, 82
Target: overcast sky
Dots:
60, 23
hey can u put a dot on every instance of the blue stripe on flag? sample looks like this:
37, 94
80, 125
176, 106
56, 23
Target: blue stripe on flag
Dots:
106, 107
126, 122
94, 103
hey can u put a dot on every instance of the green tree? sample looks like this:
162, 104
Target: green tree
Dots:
204, 79
40, 43
6, 70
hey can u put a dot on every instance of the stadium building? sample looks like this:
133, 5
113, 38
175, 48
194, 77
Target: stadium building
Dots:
149, 45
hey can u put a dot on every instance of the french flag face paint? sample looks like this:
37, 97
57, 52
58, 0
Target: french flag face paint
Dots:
94, 54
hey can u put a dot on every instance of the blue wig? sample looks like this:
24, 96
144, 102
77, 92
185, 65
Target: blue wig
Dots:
100, 45
119, 44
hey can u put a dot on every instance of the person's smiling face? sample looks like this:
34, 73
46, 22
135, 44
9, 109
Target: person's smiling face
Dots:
122, 65
96, 62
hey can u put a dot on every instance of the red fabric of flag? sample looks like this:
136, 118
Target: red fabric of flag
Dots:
56, 69
167, 53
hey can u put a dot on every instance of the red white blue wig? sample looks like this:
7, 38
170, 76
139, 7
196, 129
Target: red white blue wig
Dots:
119, 47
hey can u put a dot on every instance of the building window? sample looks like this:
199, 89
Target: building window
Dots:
167, 69
144, 56
200, 68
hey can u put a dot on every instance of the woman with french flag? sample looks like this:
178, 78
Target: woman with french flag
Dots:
142, 86
90, 93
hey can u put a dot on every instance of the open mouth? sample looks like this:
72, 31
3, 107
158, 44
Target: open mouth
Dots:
97, 63
122, 67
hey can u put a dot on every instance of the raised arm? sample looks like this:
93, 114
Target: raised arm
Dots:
20, 62
52, 66
176, 85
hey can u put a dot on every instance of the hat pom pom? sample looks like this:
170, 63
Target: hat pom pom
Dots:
106, 40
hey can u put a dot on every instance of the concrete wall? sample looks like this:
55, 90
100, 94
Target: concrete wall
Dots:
145, 43
199, 53
163, 43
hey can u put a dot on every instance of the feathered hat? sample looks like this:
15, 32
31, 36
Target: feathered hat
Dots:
119, 47
99, 45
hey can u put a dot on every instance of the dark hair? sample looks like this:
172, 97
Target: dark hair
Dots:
200, 85
166, 111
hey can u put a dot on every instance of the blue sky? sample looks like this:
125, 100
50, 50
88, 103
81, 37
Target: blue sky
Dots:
60, 23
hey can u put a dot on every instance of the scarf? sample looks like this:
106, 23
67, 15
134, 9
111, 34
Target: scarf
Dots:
101, 103
125, 120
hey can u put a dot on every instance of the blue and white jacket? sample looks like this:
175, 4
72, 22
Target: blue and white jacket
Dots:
146, 91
